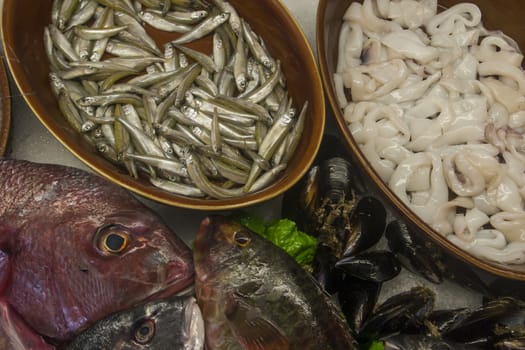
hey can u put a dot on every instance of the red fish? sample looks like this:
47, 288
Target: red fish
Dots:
15, 334
75, 248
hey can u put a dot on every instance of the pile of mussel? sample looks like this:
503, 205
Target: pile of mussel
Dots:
361, 245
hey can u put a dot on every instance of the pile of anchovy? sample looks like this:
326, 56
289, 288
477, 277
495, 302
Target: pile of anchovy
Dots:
219, 125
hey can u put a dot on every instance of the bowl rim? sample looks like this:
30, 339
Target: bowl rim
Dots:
283, 184
5, 109
394, 201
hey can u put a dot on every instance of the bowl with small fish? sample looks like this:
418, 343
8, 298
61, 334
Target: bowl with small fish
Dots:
429, 98
202, 104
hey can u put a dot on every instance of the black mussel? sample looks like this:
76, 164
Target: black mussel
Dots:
300, 201
511, 340
441, 320
333, 147
366, 226
336, 180
480, 325
414, 253
401, 311
376, 266
328, 209
507, 287
324, 270
309, 194
459, 272
422, 342
357, 299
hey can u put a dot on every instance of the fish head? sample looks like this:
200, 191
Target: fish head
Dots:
136, 254
87, 263
174, 323
171, 323
231, 275
222, 255
220, 243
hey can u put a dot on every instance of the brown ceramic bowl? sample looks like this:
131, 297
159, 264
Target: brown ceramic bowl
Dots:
22, 35
5, 109
506, 15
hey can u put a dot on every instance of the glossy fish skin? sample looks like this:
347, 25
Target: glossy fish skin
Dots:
84, 248
422, 342
174, 323
254, 296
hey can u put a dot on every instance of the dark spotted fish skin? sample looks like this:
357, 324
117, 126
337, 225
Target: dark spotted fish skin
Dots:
255, 296
75, 247
174, 323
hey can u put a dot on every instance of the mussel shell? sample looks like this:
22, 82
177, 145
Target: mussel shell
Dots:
401, 311
357, 299
482, 323
375, 266
509, 342
416, 254
309, 194
324, 270
423, 342
328, 205
336, 180
332, 147
442, 320
366, 226
506, 287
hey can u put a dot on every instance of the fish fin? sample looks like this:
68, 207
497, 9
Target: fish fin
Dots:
253, 330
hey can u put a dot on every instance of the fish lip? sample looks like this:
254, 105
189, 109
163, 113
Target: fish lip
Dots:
174, 287
178, 273
202, 241
176, 281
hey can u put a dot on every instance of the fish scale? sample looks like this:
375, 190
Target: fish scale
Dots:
60, 276
176, 323
256, 293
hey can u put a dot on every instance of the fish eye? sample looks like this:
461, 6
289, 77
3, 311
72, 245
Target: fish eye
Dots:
242, 238
144, 332
112, 239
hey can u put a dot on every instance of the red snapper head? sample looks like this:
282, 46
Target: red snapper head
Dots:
83, 266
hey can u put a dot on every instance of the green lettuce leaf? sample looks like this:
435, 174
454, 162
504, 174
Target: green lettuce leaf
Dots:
284, 234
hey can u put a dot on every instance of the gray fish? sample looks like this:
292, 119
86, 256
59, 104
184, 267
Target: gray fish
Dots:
423, 342
174, 323
255, 296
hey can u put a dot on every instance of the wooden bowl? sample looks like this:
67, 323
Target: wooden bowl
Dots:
5, 109
506, 15
22, 36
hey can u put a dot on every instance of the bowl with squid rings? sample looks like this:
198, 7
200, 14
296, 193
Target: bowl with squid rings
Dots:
191, 103
429, 98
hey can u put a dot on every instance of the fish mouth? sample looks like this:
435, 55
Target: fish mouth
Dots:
204, 241
174, 281
202, 237
180, 287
